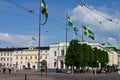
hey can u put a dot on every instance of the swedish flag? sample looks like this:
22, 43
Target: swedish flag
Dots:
44, 10
88, 33
71, 25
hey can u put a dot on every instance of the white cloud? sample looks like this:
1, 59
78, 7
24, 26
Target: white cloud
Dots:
103, 32
17, 40
83, 15
112, 40
4, 36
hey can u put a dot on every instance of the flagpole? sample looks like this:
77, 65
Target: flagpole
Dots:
66, 29
73, 35
38, 65
82, 33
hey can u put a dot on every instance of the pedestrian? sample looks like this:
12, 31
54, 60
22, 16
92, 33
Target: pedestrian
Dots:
4, 69
9, 69
0, 70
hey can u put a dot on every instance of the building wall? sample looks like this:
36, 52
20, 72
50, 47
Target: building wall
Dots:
55, 56
22, 58
57, 48
112, 54
29, 58
25, 57
6, 58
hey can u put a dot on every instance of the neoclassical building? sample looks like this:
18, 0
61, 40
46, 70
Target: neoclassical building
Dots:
113, 54
6, 57
54, 54
22, 58
58, 51
57, 55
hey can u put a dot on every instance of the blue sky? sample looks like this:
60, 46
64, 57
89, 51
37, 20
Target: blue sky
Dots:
18, 26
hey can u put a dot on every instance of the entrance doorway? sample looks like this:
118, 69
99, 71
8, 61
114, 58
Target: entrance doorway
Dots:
61, 64
28, 65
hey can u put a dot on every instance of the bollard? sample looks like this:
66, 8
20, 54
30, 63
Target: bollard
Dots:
25, 76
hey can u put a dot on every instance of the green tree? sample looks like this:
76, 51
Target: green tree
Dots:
91, 56
82, 55
96, 57
85, 54
72, 57
101, 56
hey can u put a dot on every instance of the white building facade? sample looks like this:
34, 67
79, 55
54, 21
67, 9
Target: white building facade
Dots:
58, 52
57, 55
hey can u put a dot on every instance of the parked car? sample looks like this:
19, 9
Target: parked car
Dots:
58, 70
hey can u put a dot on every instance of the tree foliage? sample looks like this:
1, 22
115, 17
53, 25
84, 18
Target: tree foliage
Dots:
72, 56
81, 55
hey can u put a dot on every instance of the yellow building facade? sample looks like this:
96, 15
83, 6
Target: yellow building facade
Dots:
22, 58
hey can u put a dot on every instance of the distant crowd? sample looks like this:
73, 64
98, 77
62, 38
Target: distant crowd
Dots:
8, 69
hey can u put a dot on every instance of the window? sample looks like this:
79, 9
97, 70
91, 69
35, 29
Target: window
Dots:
10, 58
7, 64
62, 52
46, 57
54, 64
21, 57
35, 57
1, 59
1, 54
4, 64
55, 53
16, 63
26, 58
4, 59
11, 54
16, 57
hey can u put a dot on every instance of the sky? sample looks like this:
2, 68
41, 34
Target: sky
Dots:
17, 26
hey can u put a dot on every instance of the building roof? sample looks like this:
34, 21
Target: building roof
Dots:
112, 45
23, 48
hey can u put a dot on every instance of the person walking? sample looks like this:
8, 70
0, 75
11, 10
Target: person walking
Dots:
9, 69
4, 69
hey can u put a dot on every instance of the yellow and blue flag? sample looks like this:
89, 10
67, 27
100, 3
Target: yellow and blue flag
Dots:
88, 33
44, 10
71, 25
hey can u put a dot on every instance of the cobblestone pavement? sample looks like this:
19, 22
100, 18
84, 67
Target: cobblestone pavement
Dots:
32, 75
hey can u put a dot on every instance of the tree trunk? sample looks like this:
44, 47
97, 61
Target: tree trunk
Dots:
72, 69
